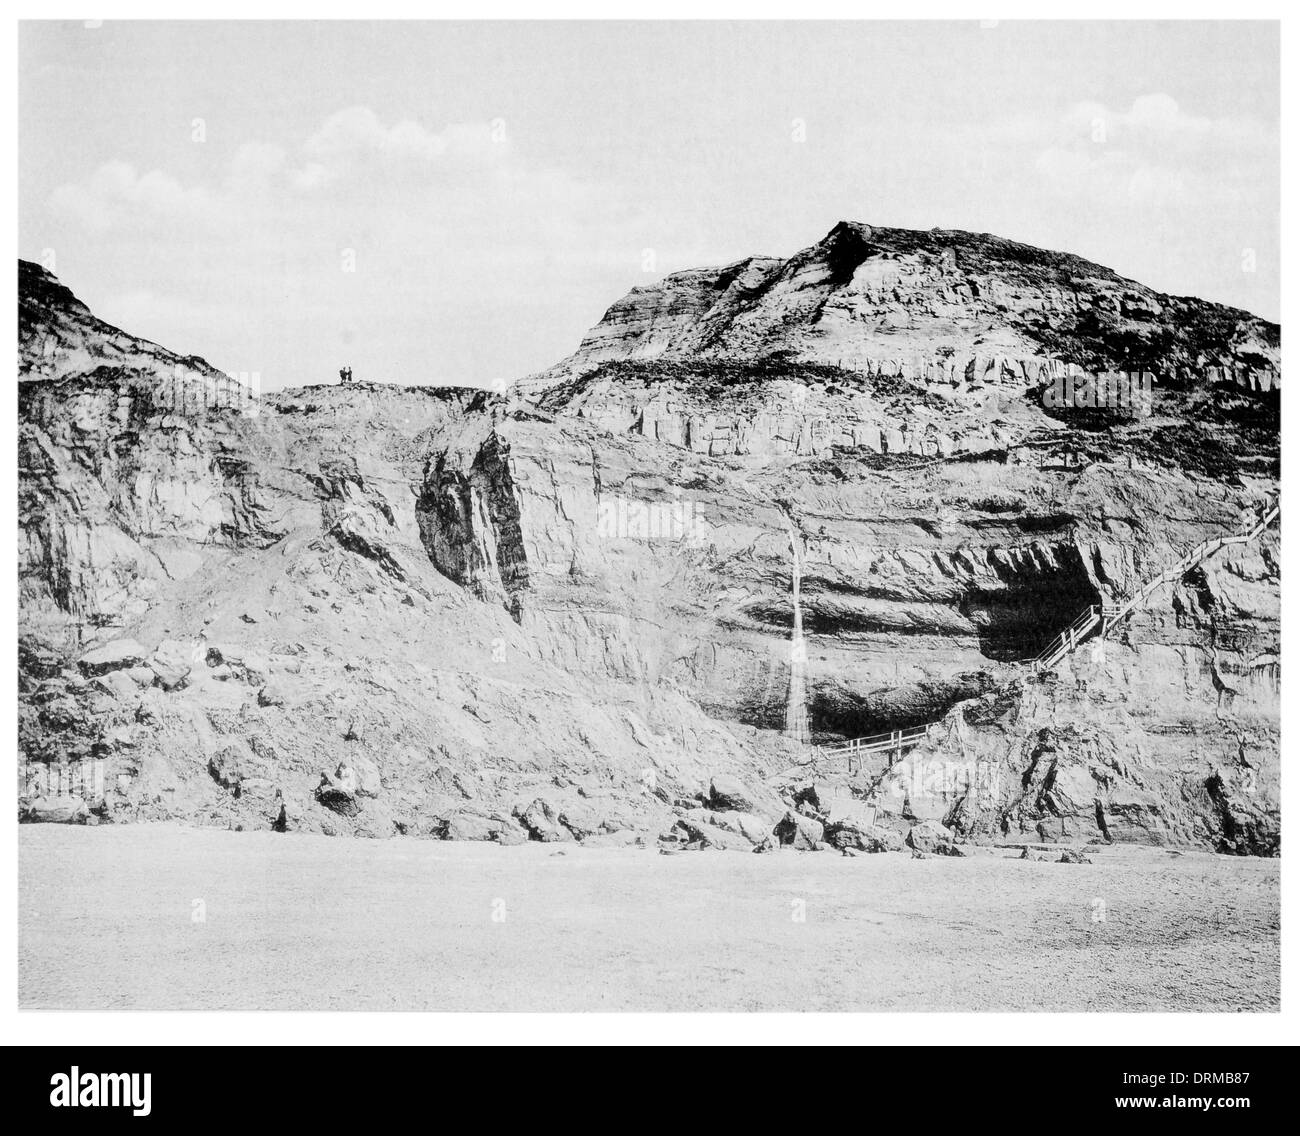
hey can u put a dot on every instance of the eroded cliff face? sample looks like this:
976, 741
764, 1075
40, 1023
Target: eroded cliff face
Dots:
59, 336
564, 612
941, 307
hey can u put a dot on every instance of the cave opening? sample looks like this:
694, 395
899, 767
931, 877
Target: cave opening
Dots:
1017, 623
835, 712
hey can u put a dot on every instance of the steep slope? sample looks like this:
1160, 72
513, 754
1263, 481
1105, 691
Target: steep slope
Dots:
282, 618
58, 336
566, 611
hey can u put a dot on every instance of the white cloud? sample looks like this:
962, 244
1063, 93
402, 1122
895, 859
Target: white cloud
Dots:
311, 177
115, 195
146, 313
352, 148
354, 142
1152, 154
301, 252
255, 167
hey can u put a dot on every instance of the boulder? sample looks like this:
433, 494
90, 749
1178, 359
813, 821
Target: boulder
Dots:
752, 828
496, 826
580, 819
141, 676
56, 810
118, 683
621, 839
820, 796
863, 838
707, 835
225, 654
930, 836
466, 824
257, 788
1071, 856
338, 800
344, 777
118, 655
233, 764
376, 822
800, 832
173, 662
365, 775
543, 823
730, 794
169, 675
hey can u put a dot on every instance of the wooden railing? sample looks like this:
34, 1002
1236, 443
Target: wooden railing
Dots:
1107, 617
852, 751
1186, 563
874, 743
1103, 619
1066, 642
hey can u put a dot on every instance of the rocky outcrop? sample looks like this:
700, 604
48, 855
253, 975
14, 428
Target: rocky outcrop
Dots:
466, 824
863, 838
55, 810
802, 833
932, 839
565, 615
731, 794
943, 308
120, 654
58, 336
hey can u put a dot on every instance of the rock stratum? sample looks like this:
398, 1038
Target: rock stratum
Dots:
563, 612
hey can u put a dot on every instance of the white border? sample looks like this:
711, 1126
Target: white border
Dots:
211, 1028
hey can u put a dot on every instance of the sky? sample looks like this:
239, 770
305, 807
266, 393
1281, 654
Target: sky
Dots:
460, 202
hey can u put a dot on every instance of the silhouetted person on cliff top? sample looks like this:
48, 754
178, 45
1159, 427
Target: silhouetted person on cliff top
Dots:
345, 374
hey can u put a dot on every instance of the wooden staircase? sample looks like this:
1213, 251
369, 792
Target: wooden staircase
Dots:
1106, 618
1095, 621
1067, 642
893, 743
852, 753
1203, 551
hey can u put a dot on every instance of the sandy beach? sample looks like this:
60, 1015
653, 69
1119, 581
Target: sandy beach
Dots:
166, 917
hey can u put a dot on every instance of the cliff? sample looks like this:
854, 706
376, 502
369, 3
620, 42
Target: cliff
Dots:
943, 307
58, 336
564, 612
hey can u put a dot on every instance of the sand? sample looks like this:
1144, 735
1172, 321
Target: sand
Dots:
166, 917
